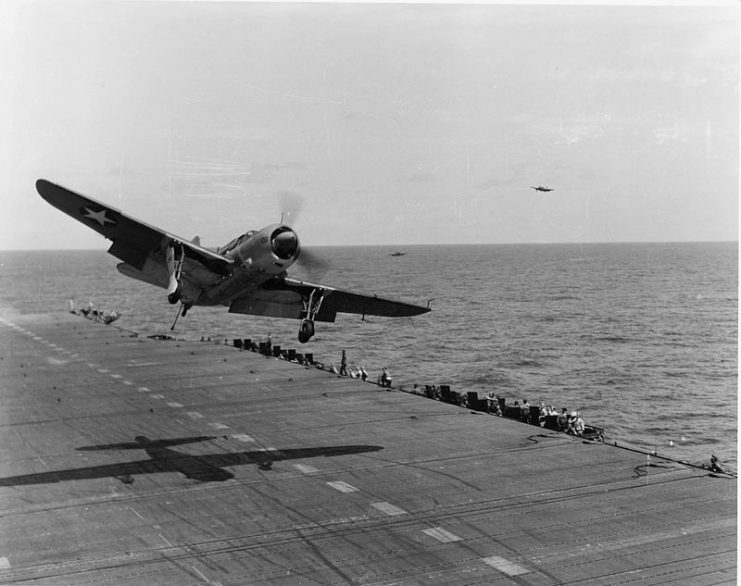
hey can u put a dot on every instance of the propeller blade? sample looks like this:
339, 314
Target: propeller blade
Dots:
290, 204
313, 264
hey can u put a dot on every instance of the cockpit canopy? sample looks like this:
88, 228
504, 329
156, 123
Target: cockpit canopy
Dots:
273, 245
227, 248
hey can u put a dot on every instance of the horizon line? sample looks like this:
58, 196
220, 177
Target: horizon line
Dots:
397, 246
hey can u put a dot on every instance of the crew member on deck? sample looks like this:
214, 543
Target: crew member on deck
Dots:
562, 421
714, 466
578, 425
525, 411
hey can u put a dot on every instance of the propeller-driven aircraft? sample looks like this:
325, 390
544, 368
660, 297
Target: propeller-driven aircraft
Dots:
541, 188
247, 274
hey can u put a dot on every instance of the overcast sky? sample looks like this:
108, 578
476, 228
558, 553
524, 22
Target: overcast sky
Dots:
396, 124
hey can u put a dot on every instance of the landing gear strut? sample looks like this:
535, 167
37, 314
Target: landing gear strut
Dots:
175, 257
311, 308
182, 310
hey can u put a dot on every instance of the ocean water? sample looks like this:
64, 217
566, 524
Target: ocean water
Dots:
641, 338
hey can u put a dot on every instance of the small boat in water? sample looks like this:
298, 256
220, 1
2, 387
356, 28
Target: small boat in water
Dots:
397, 253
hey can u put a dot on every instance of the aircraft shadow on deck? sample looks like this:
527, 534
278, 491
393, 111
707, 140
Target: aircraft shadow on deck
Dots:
202, 467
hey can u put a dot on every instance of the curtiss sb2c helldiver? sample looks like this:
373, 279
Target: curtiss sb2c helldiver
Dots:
248, 274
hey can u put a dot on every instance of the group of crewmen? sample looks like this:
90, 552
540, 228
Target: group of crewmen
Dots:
571, 423
94, 314
384, 379
564, 421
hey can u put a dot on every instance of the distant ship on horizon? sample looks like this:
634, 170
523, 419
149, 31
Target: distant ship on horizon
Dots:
397, 253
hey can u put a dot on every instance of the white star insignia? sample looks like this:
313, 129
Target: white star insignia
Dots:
99, 217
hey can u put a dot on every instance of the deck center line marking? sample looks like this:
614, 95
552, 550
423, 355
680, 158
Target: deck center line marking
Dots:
114, 375
103, 370
389, 509
219, 425
342, 486
441, 534
165, 540
195, 415
305, 468
143, 389
505, 566
174, 404
4, 563
158, 396
127, 382
243, 437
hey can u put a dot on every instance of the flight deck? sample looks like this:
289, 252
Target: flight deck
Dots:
129, 460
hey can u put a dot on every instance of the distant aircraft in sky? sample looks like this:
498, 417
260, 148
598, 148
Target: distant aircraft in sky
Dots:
248, 274
541, 188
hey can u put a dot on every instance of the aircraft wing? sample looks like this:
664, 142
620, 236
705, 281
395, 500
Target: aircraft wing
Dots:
134, 241
282, 297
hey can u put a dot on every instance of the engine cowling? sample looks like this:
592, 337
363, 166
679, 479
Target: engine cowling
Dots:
284, 243
272, 249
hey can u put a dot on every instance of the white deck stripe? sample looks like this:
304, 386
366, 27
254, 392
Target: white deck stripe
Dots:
174, 404
243, 437
505, 566
195, 415
4, 564
201, 575
305, 468
143, 390
342, 486
441, 534
136, 513
389, 509
219, 426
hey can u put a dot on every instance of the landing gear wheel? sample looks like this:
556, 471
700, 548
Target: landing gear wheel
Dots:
173, 298
305, 331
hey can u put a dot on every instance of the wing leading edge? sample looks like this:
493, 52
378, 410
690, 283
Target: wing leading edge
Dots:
133, 241
283, 298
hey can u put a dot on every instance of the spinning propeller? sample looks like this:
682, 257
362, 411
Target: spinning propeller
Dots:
291, 205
